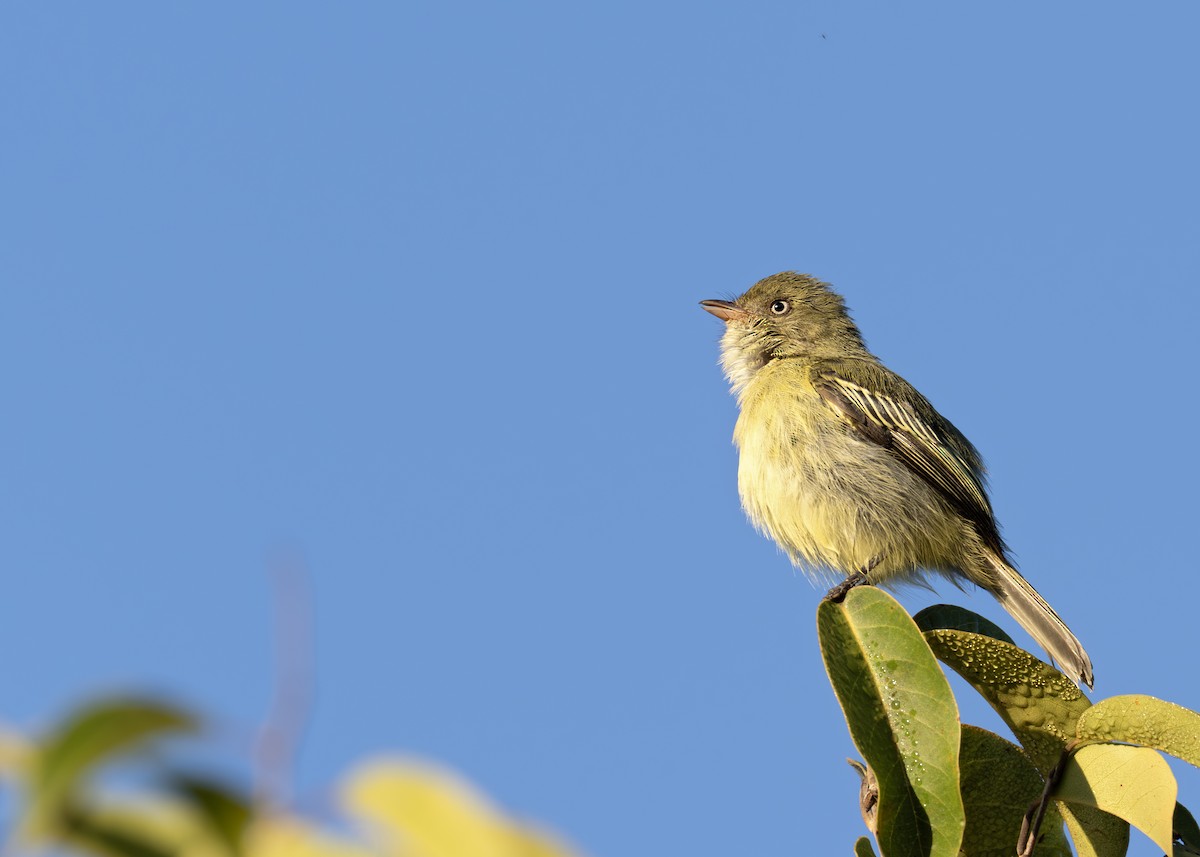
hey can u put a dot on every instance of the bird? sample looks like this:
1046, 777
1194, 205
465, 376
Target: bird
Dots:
851, 471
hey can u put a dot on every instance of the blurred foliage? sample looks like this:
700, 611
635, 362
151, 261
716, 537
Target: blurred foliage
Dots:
935, 788
1080, 773
68, 804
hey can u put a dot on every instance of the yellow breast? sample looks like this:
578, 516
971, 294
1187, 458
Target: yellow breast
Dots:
824, 494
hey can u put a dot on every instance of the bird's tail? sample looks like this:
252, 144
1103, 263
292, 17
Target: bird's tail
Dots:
1037, 617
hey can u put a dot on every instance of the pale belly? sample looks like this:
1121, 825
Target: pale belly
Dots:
835, 502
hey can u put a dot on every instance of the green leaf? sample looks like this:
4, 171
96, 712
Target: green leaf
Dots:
1186, 829
1132, 783
862, 848
1095, 833
222, 812
1146, 721
955, 618
998, 785
1038, 703
1042, 707
90, 736
902, 718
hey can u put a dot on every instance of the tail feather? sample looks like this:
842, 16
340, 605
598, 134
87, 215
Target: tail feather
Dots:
1037, 617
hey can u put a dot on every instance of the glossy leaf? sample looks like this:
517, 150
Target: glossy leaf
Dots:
902, 717
1132, 783
954, 618
1038, 703
1042, 707
1145, 721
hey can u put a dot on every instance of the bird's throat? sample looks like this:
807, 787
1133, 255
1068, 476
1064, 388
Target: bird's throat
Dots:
744, 351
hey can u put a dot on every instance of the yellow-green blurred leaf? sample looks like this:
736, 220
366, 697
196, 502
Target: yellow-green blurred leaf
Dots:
902, 717
1132, 783
527, 841
1038, 703
156, 821
220, 811
423, 811
97, 836
954, 618
431, 811
16, 751
1144, 720
89, 737
281, 836
998, 785
142, 825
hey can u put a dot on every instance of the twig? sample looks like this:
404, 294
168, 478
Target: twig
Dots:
282, 729
1031, 825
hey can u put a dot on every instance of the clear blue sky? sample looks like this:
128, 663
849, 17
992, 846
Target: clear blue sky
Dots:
408, 290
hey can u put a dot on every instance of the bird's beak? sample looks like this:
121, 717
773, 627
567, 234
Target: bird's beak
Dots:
725, 310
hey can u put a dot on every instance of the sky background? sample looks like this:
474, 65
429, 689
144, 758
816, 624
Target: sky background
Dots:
405, 294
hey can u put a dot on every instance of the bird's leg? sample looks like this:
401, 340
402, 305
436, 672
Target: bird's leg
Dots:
858, 578
838, 593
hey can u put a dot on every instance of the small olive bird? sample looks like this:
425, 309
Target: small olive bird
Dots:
849, 469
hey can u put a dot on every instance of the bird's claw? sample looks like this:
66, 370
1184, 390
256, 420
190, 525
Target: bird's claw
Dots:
838, 593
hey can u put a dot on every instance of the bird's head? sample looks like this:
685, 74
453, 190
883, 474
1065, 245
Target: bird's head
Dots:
784, 315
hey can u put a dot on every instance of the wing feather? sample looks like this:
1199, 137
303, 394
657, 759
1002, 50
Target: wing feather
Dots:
944, 459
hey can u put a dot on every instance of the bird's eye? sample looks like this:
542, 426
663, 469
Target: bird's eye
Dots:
780, 307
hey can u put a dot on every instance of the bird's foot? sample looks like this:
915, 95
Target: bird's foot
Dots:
838, 593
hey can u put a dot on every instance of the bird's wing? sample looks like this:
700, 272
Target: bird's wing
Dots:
885, 409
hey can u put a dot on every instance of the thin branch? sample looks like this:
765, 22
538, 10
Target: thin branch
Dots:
1031, 825
283, 728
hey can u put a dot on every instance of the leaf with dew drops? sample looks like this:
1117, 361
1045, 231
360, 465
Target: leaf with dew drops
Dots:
902, 717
